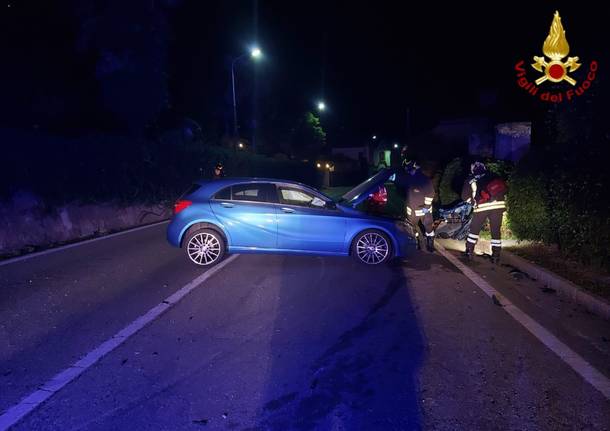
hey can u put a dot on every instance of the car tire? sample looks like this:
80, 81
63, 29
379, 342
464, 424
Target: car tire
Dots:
204, 247
372, 247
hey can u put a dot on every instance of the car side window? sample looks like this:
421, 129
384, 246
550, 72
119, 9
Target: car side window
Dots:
294, 196
224, 194
255, 192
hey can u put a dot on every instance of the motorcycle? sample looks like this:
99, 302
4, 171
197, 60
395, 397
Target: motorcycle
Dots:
453, 222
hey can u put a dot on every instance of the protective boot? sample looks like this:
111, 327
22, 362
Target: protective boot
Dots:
468, 255
430, 244
495, 255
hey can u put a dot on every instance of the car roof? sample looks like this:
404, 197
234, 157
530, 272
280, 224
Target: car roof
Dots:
229, 181
210, 187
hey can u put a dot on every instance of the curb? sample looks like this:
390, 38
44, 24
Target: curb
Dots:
52, 248
594, 304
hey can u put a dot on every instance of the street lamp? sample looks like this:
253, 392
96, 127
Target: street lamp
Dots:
254, 53
321, 106
374, 137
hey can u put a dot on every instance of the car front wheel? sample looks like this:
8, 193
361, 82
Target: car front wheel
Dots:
204, 247
372, 247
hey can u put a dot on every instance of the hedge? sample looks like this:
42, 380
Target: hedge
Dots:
103, 168
451, 182
529, 213
563, 201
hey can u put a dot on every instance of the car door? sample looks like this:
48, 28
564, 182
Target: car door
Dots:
307, 223
248, 214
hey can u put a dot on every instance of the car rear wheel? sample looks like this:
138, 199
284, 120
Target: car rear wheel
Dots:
372, 247
204, 247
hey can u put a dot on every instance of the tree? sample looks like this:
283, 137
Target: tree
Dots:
128, 42
309, 138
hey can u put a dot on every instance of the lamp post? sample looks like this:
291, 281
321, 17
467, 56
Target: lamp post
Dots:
254, 53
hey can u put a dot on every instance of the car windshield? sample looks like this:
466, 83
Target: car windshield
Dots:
378, 178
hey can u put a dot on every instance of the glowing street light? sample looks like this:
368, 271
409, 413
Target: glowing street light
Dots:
254, 53
395, 145
374, 137
321, 106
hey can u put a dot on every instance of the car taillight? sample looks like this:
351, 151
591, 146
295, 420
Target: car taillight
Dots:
380, 196
181, 205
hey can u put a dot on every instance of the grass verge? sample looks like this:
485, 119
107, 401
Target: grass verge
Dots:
595, 280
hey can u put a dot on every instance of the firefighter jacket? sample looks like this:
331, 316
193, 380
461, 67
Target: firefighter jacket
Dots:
474, 193
420, 194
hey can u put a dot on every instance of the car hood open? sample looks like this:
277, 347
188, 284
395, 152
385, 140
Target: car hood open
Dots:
363, 190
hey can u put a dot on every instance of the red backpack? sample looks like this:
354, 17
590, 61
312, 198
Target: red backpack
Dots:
493, 190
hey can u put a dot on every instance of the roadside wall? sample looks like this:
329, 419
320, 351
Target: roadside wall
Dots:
26, 224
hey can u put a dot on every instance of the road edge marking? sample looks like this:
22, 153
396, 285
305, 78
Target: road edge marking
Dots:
579, 364
77, 244
30, 402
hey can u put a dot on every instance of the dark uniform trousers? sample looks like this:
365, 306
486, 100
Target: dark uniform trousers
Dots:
495, 222
425, 222
419, 197
421, 218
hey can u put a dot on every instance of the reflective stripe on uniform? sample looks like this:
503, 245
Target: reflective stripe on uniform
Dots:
473, 236
428, 201
472, 241
418, 213
496, 243
430, 233
488, 206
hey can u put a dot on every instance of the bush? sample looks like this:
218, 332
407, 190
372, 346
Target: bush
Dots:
527, 201
501, 168
451, 182
580, 205
562, 201
102, 168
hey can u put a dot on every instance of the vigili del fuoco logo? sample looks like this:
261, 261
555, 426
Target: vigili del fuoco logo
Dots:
555, 69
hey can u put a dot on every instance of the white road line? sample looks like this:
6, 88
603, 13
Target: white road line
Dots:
77, 244
17, 412
598, 380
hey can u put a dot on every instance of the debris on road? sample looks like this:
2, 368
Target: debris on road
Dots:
497, 299
200, 421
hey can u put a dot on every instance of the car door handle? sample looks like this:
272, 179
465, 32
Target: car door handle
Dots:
227, 204
288, 210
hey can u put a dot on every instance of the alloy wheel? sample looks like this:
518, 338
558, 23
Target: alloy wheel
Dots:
372, 248
204, 248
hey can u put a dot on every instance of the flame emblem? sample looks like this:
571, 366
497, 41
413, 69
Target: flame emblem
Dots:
556, 48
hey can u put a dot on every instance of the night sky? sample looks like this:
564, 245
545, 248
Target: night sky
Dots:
369, 61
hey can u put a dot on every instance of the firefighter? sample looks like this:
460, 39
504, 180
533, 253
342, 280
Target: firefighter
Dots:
486, 193
405, 160
420, 194
219, 171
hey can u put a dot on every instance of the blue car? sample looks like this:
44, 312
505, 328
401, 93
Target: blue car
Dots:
256, 215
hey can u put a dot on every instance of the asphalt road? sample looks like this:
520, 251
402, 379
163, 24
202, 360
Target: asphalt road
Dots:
290, 343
